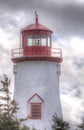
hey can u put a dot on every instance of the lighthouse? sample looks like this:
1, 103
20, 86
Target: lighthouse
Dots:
36, 68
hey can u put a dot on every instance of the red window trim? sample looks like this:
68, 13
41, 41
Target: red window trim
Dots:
31, 104
34, 96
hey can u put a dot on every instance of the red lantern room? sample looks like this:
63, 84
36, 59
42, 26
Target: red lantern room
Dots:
36, 44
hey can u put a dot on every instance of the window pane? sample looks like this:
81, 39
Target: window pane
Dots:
43, 40
36, 111
49, 41
29, 40
37, 40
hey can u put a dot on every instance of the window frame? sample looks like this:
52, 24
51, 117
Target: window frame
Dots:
45, 37
36, 37
48, 41
28, 38
31, 110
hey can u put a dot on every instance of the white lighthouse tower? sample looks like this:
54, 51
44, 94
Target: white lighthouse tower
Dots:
36, 77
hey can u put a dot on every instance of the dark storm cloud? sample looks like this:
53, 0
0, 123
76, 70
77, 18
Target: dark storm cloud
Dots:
65, 18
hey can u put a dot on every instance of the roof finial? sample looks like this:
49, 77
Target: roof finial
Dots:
36, 16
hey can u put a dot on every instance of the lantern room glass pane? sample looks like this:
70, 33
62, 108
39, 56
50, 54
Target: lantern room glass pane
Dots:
29, 40
37, 40
43, 40
48, 41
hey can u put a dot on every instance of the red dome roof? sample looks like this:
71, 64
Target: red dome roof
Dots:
36, 26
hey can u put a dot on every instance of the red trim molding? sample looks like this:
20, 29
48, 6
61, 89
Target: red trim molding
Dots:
34, 96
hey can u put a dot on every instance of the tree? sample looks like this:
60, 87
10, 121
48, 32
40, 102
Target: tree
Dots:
7, 108
59, 124
81, 125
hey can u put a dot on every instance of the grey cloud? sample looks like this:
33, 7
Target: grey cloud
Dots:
8, 21
66, 18
5, 62
78, 93
78, 62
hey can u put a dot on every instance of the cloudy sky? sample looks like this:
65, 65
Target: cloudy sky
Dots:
66, 19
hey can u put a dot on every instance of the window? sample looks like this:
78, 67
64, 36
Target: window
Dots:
29, 40
48, 41
37, 40
36, 110
43, 40
35, 106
